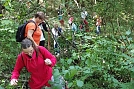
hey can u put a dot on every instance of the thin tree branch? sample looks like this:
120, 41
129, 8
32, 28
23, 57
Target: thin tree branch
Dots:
77, 3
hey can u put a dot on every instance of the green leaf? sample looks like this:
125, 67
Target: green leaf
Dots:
69, 61
1, 87
88, 62
6, 22
130, 39
56, 87
74, 54
71, 67
56, 72
87, 71
88, 37
128, 32
73, 72
131, 69
79, 83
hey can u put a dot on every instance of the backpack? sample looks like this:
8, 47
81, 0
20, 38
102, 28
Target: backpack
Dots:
59, 31
20, 34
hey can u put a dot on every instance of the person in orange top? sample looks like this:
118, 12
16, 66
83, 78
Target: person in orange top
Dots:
33, 31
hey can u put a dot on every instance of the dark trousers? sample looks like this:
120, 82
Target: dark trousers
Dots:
56, 48
98, 30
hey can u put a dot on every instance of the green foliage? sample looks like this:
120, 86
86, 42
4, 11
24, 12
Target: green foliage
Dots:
1, 87
104, 61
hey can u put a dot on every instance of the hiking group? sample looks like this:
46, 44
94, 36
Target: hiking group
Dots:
37, 60
34, 56
83, 23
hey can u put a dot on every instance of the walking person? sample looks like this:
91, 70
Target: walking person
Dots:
70, 20
33, 31
43, 28
98, 25
38, 62
84, 14
56, 31
60, 15
84, 22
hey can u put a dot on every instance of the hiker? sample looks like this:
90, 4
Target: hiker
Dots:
60, 15
98, 25
74, 27
95, 16
31, 31
56, 32
38, 62
84, 14
70, 20
84, 25
43, 28
84, 22
71, 23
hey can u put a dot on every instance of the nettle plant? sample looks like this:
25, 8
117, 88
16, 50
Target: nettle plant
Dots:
9, 50
99, 62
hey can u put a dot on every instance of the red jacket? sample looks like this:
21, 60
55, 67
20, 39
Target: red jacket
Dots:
39, 71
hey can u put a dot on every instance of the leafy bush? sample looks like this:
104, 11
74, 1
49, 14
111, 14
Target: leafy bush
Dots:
87, 60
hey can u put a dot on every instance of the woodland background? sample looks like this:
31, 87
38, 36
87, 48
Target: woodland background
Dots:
87, 60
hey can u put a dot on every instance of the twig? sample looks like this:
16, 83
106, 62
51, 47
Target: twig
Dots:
76, 3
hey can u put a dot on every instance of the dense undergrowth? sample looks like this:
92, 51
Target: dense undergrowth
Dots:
87, 60
98, 62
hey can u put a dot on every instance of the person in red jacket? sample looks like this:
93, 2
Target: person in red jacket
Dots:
38, 62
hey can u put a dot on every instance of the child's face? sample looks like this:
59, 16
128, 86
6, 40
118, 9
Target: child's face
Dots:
29, 51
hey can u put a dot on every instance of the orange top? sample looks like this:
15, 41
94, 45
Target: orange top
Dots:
36, 34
